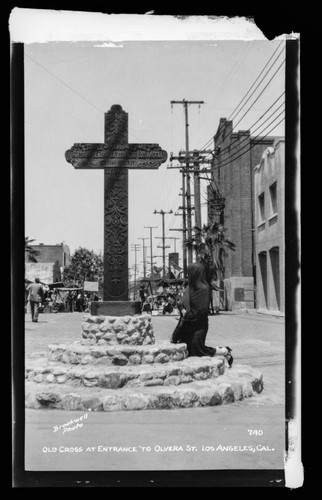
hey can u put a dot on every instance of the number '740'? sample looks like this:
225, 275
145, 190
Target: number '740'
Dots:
255, 432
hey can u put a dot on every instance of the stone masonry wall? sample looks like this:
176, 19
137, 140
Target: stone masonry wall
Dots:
118, 330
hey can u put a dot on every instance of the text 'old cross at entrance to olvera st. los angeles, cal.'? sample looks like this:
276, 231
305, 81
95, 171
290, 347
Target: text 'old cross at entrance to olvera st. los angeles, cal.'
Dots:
116, 156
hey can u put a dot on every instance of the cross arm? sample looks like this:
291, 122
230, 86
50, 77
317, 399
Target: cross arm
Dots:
100, 156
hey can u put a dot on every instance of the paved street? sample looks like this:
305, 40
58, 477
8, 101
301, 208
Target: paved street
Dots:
179, 439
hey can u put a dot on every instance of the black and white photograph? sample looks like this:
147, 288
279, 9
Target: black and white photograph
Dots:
155, 185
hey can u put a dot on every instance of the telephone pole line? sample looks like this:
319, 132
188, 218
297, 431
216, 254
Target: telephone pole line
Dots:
135, 247
151, 252
196, 158
144, 256
188, 194
163, 246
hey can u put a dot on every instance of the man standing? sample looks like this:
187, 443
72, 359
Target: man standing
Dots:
35, 296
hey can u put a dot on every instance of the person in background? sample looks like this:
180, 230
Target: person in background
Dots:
148, 305
79, 302
35, 297
26, 296
142, 295
50, 300
86, 301
70, 302
168, 306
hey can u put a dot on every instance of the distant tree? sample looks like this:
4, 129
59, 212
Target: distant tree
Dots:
30, 253
85, 265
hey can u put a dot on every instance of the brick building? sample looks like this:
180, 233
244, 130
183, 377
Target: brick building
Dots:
269, 181
230, 201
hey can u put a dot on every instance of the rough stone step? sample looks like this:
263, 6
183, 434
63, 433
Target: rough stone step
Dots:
116, 377
118, 355
239, 382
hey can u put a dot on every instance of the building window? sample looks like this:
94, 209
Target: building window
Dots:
273, 198
261, 205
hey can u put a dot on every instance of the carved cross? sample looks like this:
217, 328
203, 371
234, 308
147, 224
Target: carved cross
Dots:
116, 157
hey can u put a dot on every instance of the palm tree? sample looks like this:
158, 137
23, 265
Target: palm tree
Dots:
211, 248
30, 253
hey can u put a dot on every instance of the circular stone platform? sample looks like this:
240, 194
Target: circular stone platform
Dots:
118, 366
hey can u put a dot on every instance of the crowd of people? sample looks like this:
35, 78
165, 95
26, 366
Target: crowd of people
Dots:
41, 297
167, 302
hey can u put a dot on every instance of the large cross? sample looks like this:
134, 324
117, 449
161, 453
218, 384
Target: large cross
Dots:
116, 156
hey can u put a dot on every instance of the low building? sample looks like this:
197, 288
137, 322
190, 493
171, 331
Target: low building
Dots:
47, 272
51, 261
53, 253
269, 178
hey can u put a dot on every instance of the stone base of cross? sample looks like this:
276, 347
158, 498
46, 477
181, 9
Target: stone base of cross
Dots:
115, 308
116, 156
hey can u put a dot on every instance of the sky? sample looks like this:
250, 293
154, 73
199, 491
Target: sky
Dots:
69, 86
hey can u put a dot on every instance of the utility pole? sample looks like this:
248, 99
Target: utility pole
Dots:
163, 246
184, 224
196, 157
135, 247
151, 252
189, 229
144, 256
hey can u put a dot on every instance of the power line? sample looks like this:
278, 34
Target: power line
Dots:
144, 256
226, 81
135, 247
247, 111
70, 88
237, 144
260, 93
249, 149
233, 156
151, 246
238, 105
186, 210
231, 117
254, 144
251, 146
231, 146
64, 83
163, 237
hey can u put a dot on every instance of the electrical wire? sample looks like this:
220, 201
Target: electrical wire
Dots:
253, 139
71, 88
246, 112
249, 149
64, 83
238, 105
235, 113
231, 147
227, 79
